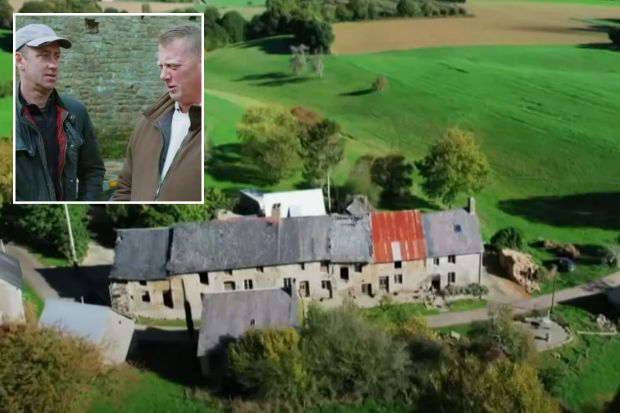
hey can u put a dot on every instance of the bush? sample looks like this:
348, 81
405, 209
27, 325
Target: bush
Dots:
614, 36
351, 358
215, 35
509, 237
268, 364
36, 7
6, 171
315, 34
44, 370
472, 289
408, 8
379, 84
234, 24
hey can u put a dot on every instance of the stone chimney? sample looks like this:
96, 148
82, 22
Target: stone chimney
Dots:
276, 212
471, 205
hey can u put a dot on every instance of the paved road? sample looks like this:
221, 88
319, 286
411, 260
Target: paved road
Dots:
33, 277
537, 303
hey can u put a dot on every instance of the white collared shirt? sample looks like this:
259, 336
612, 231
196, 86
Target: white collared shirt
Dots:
179, 129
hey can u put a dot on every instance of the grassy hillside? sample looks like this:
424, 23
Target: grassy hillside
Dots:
545, 116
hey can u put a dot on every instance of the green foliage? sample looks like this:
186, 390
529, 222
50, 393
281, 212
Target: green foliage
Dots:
360, 180
270, 140
135, 216
473, 289
6, 171
614, 36
503, 334
314, 33
234, 24
322, 148
45, 227
509, 237
454, 165
60, 6
408, 8
44, 370
470, 385
267, 364
379, 84
215, 35
6, 14
351, 358
393, 174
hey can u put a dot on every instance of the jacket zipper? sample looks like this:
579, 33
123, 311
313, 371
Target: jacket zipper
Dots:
39, 144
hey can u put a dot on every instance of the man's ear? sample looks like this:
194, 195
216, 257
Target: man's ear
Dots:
19, 60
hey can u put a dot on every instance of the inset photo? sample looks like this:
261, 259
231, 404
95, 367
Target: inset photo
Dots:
108, 108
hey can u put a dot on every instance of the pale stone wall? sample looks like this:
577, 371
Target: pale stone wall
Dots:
466, 268
11, 302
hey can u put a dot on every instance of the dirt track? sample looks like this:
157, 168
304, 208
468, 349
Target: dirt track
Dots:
493, 23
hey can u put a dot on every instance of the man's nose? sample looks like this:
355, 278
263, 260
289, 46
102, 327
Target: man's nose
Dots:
164, 74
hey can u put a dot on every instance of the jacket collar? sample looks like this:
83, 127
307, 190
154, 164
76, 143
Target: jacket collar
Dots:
21, 102
165, 104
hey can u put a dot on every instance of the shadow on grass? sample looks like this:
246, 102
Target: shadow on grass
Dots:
87, 283
600, 46
360, 92
168, 353
596, 210
271, 45
227, 164
263, 76
595, 304
6, 42
406, 201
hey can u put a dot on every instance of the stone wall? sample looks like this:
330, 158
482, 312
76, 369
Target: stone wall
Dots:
111, 68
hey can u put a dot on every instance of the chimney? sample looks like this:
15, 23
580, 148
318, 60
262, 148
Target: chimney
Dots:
471, 205
275, 212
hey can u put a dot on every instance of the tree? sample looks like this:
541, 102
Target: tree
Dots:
299, 59
269, 135
6, 171
6, 14
360, 180
234, 24
45, 227
322, 148
359, 9
318, 67
614, 36
507, 238
44, 370
453, 165
37, 7
470, 385
393, 174
61, 6
408, 8
215, 35
379, 84
314, 33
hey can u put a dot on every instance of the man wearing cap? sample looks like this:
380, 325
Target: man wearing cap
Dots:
56, 153
164, 155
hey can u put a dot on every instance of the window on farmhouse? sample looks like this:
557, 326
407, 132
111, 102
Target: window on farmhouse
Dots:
398, 264
229, 272
398, 278
146, 298
204, 278
324, 266
287, 283
436, 261
260, 269
452, 259
248, 284
358, 267
344, 273
229, 285
451, 277
302, 266
167, 296
326, 284
142, 282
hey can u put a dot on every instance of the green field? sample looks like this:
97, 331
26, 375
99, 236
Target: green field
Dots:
546, 117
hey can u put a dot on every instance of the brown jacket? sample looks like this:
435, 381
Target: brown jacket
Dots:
139, 179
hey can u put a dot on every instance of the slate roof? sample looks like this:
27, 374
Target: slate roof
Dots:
454, 232
349, 239
397, 236
141, 254
10, 270
230, 314
246, 243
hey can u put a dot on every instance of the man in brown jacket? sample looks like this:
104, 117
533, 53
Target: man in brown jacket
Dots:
163, 160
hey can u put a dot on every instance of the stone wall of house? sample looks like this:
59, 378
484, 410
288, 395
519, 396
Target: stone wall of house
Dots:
111, 68
11, 303
466, 269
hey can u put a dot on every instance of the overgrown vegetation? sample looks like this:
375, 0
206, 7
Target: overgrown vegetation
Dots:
44, 370
507, 238
340, 356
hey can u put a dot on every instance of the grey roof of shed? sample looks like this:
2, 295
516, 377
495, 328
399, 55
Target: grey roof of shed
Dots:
349, 239
246, 243
141, 254
10, 270
230, 314
454, 232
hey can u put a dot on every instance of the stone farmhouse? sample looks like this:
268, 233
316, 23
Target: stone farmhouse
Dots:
158, 272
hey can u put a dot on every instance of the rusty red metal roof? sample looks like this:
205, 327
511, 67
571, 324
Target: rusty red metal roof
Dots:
397, 236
